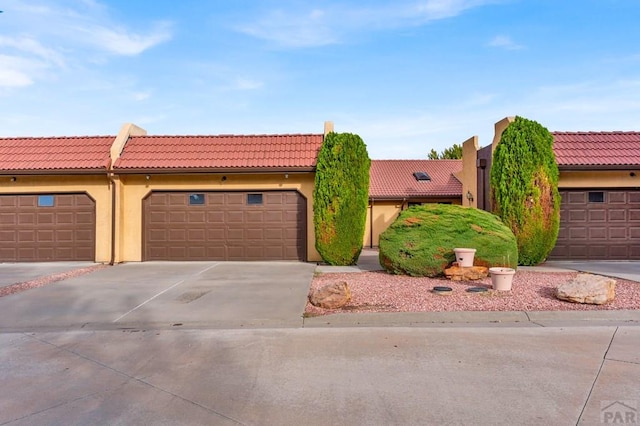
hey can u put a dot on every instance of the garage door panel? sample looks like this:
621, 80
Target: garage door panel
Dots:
176, 200
8, 238
177, 218
597, 251
235, 234
576, 197
597, 233
65, 236
607, 227
617, 215
618, 233
45, 236
197, 217
215, 217
252, 217
234, 216
618, 252
195, 235
235, 199
197, 252
273, 217
26, 219
597, 216
27, 201
618, 197
45, 218
578, 215
178, 235
27, 236
578, 233
242, 225
255, 235
215, 234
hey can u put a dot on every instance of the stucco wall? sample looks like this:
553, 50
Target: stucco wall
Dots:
386, 211
134, 188
599, 179
97, 187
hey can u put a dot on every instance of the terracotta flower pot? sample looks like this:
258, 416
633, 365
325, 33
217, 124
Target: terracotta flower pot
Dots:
502, 278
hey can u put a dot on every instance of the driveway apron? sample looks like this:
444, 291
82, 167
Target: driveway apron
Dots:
172, 294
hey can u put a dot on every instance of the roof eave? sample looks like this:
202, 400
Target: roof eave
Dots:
408, 197
597, 167
209, 170
57, 172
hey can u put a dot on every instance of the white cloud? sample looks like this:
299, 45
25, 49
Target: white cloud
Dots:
332, 25
504, 42
14, 78
122, 42
441, 9
19, 71
141, 96
46, 38
247, 84
293, 29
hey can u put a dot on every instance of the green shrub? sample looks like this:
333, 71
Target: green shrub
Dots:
421, 240
341, 197
524, 188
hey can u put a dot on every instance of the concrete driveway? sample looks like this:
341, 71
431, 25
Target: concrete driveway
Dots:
166, 294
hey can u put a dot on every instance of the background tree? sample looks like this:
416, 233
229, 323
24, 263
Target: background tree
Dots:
452, 153
524, 188
340, 198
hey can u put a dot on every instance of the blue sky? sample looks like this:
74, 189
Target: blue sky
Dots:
408, 76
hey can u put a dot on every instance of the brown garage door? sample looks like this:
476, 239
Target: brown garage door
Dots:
47, 227
225, 226
599, 225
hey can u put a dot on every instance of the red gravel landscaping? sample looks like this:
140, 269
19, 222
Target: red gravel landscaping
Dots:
532, 291
42, 281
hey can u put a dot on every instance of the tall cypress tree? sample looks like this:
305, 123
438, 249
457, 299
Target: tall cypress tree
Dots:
524, 188
340, 198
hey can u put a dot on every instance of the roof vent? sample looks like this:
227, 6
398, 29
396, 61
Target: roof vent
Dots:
421, 176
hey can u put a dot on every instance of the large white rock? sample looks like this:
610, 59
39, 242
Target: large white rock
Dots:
588, 288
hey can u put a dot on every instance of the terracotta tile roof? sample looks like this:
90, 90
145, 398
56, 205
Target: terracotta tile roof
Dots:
51, 154
598, 149
394, 178
220, 152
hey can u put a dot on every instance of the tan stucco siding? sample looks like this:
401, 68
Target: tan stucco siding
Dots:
599, 179
135, 188
468, 176
386, 211
97, 187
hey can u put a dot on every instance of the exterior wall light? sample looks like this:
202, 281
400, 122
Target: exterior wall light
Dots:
469, 196
13, 178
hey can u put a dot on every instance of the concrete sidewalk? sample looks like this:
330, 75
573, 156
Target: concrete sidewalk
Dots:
344, 376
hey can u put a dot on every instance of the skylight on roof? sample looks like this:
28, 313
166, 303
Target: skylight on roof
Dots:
420, 176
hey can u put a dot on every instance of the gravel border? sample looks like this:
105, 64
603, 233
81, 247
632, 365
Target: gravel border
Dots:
532, 291
42, 281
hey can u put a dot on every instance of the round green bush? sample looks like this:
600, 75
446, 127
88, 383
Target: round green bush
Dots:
421, 240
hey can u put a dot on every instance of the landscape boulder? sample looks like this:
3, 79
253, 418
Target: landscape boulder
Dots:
470, 273
588, 288
331, 296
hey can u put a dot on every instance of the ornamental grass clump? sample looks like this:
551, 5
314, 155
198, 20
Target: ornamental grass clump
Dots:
421, 240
